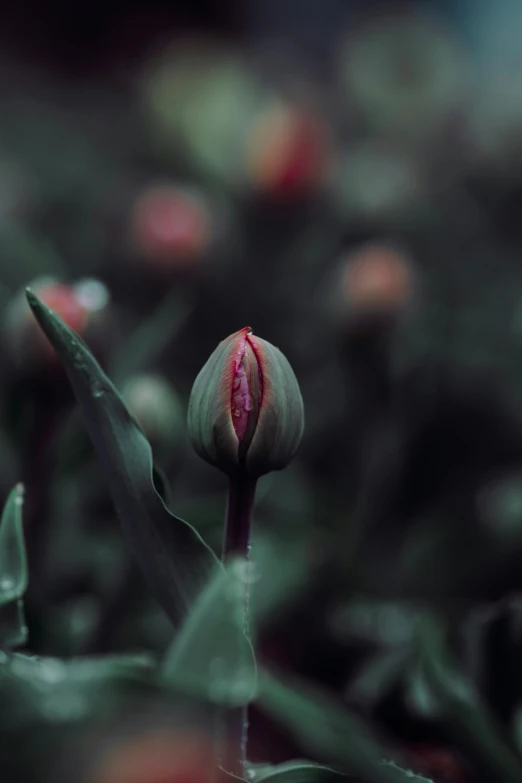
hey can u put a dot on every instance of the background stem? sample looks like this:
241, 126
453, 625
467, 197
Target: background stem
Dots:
236, 543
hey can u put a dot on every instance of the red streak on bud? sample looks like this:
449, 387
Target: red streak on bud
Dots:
241, 401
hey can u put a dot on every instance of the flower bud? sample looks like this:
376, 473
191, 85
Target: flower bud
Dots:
156, 407
288, 152
246, 410
26, 341
172, 227
377, 278
156, 757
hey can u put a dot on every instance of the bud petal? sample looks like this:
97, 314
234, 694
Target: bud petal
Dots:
246, 411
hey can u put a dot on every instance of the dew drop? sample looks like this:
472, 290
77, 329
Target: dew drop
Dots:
92, 294
53, 671
6, 583
247, 571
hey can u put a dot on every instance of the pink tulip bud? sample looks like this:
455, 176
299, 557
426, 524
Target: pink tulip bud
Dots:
246, 411
171, 226
377, 278
288, 153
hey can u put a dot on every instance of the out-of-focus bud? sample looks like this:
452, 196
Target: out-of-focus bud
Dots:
200, 98
435, 760
288, 152
81, 306
171, 226
406, 74
156, 407
26, 340
246, 412
156, 758
377, 279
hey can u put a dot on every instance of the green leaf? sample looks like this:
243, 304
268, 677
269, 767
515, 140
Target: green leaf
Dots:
174, 558
404, 775
150, 339
13, 563
281, 567
328, 729
306, 772
212, 655
465, 715
13, 629
377, 675
294, 772
63, 692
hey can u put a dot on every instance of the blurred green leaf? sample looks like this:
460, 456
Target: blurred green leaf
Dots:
294, 772
329, 730
466, 716
281, 568
378, 675
403, 775
26, 255
174, 558
153, 336
51, 690
13, 629
13, 572
212, 654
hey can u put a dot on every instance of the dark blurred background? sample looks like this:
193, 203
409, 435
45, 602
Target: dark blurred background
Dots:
346, 178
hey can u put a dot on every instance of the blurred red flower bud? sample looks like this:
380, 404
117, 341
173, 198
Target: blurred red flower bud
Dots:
157, 758
26, 340
288, 152
82, 306
377, 278
171, 226
440, 762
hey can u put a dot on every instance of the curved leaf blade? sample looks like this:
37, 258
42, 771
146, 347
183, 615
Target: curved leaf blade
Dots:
13, 561
295, 772
174, 558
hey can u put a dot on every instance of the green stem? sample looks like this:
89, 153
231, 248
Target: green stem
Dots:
236, 543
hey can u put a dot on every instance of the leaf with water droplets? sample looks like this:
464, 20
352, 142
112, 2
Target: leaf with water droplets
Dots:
294, 772
13, 572
13, 564
13, 630
60, 692
174, 558
212, 655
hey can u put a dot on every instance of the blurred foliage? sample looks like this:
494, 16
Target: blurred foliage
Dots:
350, 189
